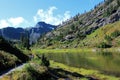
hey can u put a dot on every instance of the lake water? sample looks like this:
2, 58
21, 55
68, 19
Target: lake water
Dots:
106, 62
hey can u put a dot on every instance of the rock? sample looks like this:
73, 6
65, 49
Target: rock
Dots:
69, 37
49, 35
101, 24
118, 12
113, 18
98, 20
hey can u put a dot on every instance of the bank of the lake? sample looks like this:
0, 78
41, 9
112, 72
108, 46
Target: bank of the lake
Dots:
106, 61
86, 72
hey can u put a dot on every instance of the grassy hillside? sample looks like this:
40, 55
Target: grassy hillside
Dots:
74, 31
7, 60
10, 56
104, 37
7, 47
107, 36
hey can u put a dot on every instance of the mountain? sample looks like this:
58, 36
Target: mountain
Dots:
12, 33
39, 29
72, 32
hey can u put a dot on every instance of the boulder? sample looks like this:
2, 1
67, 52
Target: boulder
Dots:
69, 37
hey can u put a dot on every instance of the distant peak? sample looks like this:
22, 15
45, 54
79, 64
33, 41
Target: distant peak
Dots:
41, 23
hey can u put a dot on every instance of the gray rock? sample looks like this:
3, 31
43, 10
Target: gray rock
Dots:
114, 17
49, 35
69, 37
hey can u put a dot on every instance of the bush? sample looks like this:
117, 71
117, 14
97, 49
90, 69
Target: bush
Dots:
107, 38
45, 62
115, 34
34, 72
7, 47
118, 2
107, 2
103, 45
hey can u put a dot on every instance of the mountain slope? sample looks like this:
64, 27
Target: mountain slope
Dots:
107, 36
73, 31
6, 47
12, 33
39, 29
10, 56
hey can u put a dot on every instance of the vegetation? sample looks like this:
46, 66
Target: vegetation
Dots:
86, 72
5, 46
107, 36
74, 32
30, 72
57, 51
7, 61
104, 45
34, 71
104, 37
10, 56
25, 42
85, 35
107, 2
115, 34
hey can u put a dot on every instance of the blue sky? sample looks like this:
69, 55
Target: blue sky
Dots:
26, 13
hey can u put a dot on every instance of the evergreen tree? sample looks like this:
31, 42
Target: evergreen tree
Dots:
25, 40
45, 62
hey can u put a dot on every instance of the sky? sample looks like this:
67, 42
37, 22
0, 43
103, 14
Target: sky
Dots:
26, 13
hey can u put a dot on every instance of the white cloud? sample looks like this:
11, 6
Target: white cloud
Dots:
66, 15
49, 17
16, 21
13, 22
3, 23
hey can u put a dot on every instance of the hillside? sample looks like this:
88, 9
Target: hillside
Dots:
10, 56
107, 36
74, 31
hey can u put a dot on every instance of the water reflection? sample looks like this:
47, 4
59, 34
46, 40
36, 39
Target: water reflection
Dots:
104, 61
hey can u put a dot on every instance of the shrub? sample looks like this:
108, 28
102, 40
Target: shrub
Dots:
107, 38
103, 45
45, 62
115, 34
118, 2
107, 2
80, 22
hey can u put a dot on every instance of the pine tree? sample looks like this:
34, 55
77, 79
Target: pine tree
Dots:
25, 42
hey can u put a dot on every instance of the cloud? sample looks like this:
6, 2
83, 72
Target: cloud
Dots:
16, 21
49, 17
13, 22
3, 23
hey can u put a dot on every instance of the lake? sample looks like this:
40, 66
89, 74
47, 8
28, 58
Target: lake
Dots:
106, 62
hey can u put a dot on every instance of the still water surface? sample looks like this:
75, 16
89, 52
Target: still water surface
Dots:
106, 62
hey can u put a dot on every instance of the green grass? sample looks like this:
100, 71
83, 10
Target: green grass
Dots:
7, 60
34, 51
98, 36
29, 72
